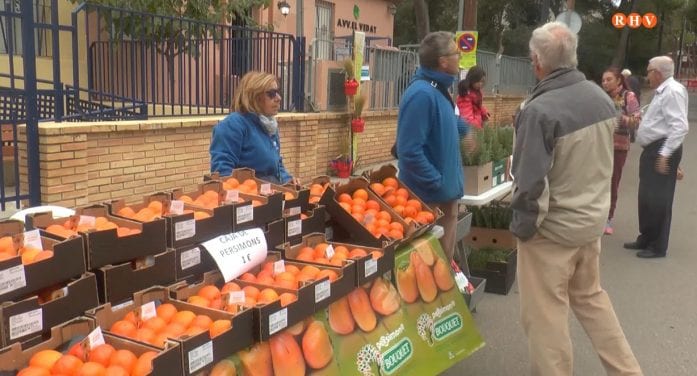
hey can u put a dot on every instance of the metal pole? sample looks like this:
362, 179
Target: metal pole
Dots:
682, 38
299, 14
32, 118
460, 14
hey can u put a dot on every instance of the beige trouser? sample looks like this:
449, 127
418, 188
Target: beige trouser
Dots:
552, 277
449, 223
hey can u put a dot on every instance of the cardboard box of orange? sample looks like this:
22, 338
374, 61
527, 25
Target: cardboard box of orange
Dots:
355, 219
298, 225
104, 247
64, 338
30, 317
365, 268
198, 352
193, 260
117, 283
25, 275
293, 196
388, 174
152, 208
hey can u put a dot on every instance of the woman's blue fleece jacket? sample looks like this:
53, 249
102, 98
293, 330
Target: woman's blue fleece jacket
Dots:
240, 141
428, 139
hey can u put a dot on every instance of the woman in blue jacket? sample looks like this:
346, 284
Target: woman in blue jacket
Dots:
248, 137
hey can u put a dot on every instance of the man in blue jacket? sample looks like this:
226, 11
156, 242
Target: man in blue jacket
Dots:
429, 131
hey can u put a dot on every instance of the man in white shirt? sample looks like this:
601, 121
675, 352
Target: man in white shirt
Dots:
661, 134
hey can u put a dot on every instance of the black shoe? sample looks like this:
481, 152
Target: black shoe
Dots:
647, 253
634, 245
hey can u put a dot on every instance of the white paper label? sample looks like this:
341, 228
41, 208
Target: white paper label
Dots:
176, 207
200, 357
32, 239
265, 189
26, 323
236, 297
278, 321
371, 267
238, 252
232, 195
294, 211
295, 227
322, 291
12, 279
190, 258
121, 306
461, 282
245, 214
329, 252
86, 220
279, 267
95, 338
184, 229
148, 311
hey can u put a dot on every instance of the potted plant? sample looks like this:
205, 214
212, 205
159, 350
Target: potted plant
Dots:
343, 164
350, 85
357, 123
497, 265
501, 141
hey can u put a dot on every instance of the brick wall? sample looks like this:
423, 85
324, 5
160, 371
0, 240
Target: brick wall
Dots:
84, 163
502, 108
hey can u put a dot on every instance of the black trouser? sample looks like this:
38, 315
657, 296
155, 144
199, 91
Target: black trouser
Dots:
656, 192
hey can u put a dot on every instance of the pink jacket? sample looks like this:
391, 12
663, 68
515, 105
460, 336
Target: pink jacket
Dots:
472, 109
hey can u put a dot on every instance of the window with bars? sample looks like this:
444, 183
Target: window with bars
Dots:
324, 26
11, 28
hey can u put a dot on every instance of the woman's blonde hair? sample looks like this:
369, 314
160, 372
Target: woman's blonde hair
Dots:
251, 87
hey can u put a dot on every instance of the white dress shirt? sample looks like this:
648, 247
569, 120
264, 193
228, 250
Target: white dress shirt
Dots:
666, 118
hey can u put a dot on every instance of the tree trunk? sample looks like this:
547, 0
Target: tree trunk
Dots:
422, 19
621, 49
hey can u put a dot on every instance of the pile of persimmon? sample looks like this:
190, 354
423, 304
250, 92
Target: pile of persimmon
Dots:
29, 255
212, 297
168, 323
103, 359
318, 254
398, 199
316, 192
291, 278
369, 213
251, 187
155, 210
71, 227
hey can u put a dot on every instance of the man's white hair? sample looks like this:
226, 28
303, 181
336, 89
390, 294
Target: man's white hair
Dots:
664, 65
554, 46
626, 73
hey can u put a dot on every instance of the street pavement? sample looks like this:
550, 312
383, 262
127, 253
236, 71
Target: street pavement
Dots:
655, 299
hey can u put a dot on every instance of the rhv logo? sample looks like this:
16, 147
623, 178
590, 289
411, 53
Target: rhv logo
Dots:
634, 20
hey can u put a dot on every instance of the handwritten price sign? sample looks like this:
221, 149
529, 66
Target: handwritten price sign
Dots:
238, 252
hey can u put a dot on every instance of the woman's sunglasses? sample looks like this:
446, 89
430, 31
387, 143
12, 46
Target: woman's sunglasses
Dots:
271, 94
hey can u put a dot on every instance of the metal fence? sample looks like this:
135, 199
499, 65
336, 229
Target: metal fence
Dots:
178, 66
390, 72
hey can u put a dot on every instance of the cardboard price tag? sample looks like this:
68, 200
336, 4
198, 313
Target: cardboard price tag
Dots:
265, 189
329, 252
295, 227
146, 312
279, 267
32, 239
232, 195
86, 220
176, 207
234, 297
94, 339
294, 211
238, 252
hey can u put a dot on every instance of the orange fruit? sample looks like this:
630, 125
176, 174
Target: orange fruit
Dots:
230, 286
29, 254
232, 183
7, 244
395, 234
6, 256
184, 318
251, 292
415, 203
357, 208
340, 249
156, 324
346, 206
316, 190
359, 217
34, 371
360, 193
378, 188
391, 200
218, 327
45, 359
126, 211
314, 199
193, 331
124, 328
287, 298
390, 182
409, 211
292, 269
43, 255
198, 301
166, 311
101, 354
92, 369
146, 335
143, 366
287, 279
345, 197
249, 277
372, 204
310, 270
399, 209
357, 253
327, 273
321, 250
124, 359
174, 330
156, 207
115, 371
67, 365
198, 215
160, 339
396, 226
267, 296
376, 254
202, 322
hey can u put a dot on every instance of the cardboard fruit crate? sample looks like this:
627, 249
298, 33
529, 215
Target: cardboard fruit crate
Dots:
62, 337
106, 247
68, 261
299, 225
32, 316
479, 237
198, 352
390, 171
117, 283
366, 268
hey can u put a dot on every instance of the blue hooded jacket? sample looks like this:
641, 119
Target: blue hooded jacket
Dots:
428, 139
239, 140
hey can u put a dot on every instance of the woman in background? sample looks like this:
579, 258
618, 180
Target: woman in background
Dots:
470, 98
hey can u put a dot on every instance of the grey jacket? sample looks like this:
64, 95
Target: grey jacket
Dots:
562, 160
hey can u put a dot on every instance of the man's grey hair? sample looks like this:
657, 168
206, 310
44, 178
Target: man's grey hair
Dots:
554, 46
626, 72
435, 45
664, 65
